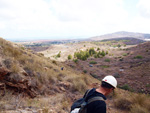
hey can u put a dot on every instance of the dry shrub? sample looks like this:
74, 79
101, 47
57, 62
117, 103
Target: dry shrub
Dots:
9, 50
45, 110
79, 84
134, 103
141, 101
86, 79
23, 59
138, 109
123, 103
8, 62
15, 67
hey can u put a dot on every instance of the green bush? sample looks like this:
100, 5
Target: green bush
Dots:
85, 71
93, 62
126, 87
105, 66
98, 49
69, 57
106, 52
124, 54
58, 55
83, 55
92, 51
103, 53
107, 60
75, 60
138, 57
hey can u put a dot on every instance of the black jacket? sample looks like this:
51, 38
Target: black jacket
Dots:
98, 106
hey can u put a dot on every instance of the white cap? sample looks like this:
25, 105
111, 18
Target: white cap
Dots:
110, 80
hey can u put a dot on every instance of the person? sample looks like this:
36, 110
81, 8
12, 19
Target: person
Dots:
109, 83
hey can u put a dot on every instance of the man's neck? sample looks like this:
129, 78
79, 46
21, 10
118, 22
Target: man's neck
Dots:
101, 90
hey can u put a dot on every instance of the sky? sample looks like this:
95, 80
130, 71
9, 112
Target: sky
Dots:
71, 19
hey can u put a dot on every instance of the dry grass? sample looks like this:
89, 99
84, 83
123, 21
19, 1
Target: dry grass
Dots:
15, 68
131, 102
8, 101
57, 103
136, 108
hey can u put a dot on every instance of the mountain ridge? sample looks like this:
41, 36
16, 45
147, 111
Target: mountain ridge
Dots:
122, 34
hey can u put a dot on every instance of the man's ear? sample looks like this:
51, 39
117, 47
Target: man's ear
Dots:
111, 89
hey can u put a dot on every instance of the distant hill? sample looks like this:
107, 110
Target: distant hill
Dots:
122, 34
126, 40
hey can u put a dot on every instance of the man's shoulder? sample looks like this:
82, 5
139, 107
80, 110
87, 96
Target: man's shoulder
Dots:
98, 106
93, 93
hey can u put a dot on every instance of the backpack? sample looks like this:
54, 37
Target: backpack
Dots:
80, 105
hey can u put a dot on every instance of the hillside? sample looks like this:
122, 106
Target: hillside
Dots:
131, 65
122, 34
30, 82
123, 58
24, 73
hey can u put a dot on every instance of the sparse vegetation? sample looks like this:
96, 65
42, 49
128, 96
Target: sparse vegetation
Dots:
138, 57
83, 55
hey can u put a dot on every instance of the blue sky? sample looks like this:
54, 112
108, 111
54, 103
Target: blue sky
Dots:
66, 19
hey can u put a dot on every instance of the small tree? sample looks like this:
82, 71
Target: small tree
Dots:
75, 60
69, 57
119, 45
92, 51
59, 55
98, 49
103, 53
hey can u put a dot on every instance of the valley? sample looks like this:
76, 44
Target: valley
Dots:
48, 78
126, 62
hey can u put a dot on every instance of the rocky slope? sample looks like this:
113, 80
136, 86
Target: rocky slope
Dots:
26, 74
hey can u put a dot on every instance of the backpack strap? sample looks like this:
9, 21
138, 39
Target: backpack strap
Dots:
86, 94
95, 99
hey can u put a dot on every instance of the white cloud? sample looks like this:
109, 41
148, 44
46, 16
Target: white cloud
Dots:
90, 16
37, 18
144, 8
141, 22
89, 10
